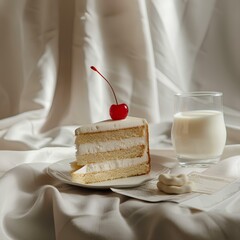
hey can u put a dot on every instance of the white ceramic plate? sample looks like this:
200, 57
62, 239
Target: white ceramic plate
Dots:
61, 171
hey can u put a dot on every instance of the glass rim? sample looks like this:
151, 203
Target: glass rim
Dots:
199, 93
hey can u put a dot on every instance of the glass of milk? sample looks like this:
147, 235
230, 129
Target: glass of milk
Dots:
198, 130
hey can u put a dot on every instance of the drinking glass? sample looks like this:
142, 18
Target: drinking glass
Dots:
198, 131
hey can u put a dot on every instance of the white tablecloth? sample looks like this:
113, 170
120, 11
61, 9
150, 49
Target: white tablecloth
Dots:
36, 206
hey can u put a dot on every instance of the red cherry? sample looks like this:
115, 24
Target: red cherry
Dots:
116, 111
119, 111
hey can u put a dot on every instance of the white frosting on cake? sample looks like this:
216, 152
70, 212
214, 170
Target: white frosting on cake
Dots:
110, 165
88, 148
109, 125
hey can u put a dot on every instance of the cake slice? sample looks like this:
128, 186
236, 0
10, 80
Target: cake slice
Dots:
110, 150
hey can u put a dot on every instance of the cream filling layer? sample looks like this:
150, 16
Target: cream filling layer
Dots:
110, 165
89, 148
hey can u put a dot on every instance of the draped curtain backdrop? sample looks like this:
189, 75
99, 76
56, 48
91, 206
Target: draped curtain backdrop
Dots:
148, 50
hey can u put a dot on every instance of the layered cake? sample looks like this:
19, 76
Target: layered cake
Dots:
111, 149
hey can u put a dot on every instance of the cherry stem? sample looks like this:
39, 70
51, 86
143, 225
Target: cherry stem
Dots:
95, 69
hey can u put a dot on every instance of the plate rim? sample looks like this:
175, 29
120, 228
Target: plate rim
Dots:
146, 177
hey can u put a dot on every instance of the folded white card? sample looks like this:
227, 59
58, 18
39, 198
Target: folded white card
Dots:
203, 183
214, 189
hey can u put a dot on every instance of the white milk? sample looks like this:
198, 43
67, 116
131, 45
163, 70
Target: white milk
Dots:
199, 134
